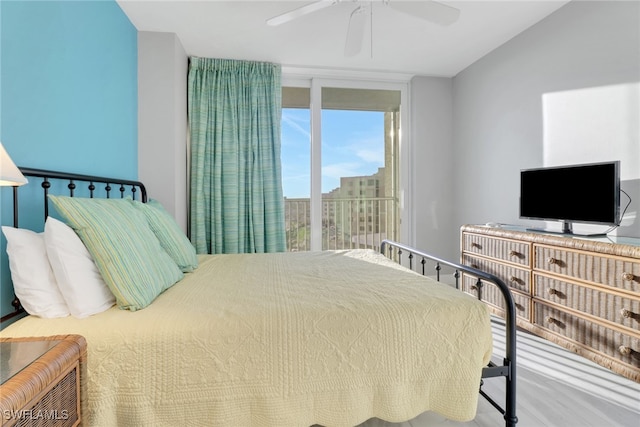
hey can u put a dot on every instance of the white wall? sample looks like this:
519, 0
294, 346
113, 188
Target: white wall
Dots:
498, 124
433, 165
162, 121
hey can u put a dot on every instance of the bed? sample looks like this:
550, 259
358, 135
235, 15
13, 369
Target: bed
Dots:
286, 339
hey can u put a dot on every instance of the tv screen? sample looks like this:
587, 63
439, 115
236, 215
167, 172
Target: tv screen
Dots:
587, 193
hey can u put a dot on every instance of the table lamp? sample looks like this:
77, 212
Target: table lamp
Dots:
9, 173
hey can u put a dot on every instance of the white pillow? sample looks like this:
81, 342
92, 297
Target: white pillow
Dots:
77, 276
33, 279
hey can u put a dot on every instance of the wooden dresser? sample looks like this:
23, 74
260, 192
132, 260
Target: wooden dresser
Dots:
583, 294
42, 380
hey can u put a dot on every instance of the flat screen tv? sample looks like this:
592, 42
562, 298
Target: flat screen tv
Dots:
584, 193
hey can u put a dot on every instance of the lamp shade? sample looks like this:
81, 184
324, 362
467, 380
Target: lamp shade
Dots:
9, 173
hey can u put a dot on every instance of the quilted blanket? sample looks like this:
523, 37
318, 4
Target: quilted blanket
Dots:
289, 339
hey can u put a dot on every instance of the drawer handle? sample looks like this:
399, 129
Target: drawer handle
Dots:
628, 314
557, 293
519, 306
554, 321
473, 287
515, 253
476, 245
475, 266
628, 276
513, 279
628, 351
552, 260
624, 350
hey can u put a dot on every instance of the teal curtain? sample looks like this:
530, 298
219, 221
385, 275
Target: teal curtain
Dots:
237, 204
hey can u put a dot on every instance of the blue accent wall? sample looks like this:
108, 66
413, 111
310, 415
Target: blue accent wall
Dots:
68, 84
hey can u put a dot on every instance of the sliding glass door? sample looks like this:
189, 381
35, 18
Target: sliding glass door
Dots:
341, 165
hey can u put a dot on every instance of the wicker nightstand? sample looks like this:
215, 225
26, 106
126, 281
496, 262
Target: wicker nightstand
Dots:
42, 380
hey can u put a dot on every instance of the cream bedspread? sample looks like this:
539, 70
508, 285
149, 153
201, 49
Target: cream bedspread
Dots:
294, 339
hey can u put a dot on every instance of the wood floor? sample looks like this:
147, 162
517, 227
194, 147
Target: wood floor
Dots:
556, 388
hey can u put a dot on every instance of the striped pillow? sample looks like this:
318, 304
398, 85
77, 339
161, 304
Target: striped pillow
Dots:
127, 253
171, 237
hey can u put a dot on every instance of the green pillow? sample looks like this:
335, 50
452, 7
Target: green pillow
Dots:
171, 237
127, 253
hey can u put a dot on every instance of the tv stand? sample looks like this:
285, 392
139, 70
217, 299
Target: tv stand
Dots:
582, 294
567, 230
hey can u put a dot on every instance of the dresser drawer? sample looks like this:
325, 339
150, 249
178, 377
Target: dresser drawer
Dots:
500, 249
614, 308
614, 272
617, 345
492, 295
514, 277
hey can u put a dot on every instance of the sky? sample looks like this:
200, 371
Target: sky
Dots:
352, 145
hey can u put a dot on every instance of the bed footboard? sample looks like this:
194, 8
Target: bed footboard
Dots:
417, 261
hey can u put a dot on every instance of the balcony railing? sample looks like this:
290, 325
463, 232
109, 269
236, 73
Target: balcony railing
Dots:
346, 223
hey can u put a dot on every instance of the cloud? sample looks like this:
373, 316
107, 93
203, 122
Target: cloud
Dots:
367, 146
301, 125
370, 155
338, 170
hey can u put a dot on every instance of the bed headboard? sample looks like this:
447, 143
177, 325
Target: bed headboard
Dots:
31, 208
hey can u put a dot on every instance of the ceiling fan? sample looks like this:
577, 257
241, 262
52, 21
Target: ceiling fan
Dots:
429, 10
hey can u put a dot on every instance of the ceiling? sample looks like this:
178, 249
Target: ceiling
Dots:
394, 42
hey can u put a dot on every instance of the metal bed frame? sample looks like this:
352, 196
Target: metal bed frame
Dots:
507, 369
111, 186
388, 248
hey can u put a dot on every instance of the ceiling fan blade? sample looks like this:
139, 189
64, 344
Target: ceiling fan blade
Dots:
432, 11
355, 32
301, 11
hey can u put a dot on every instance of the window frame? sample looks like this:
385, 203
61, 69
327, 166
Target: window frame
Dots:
293, 78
